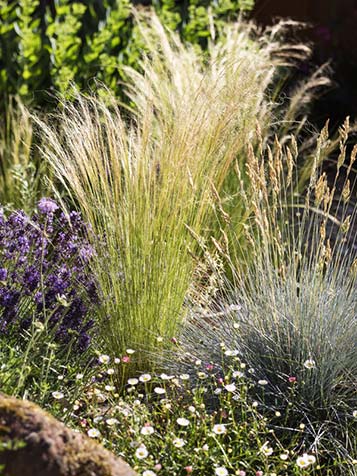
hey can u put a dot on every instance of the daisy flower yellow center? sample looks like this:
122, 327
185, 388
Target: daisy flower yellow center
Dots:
141, 452
93, 433
104, 359
178, 442
219, 429
305, 460
57, 395
309, 364
145, 378
266, 450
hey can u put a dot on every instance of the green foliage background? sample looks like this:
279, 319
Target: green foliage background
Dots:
47, 44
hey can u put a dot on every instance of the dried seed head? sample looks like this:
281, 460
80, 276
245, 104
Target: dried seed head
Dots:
323, 231
320, 189
353, 157
294, 147
353, 268
290, 164
346, 192
344, 130
345, 226
342, 156
328, 252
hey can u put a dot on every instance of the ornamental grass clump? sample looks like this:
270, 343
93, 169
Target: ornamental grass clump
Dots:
291, 314
44, 275
145, 177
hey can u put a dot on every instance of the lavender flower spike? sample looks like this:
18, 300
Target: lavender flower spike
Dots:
47, 206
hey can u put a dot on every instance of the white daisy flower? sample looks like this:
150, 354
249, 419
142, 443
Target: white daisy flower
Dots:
159, 390
184, 377
182, 421
178, 442
104, 359
141, 452
145, 378
309, 364
166, 377
238, 374
57, 395
93, 433
111, 421
231, 353
219, 429
147, 430
266, 450
221, 471
230, 387
305, 460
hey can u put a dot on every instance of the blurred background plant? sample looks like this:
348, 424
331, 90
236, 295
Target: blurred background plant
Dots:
22, 173
47, 44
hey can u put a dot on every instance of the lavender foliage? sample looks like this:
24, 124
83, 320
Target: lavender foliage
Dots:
44, 274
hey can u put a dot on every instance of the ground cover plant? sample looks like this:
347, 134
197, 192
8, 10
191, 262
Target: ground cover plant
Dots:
199, 315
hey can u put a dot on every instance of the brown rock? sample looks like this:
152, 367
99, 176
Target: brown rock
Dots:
39, 445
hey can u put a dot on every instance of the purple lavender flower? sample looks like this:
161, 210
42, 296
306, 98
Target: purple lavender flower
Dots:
3, 274
47, 206
44, 274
